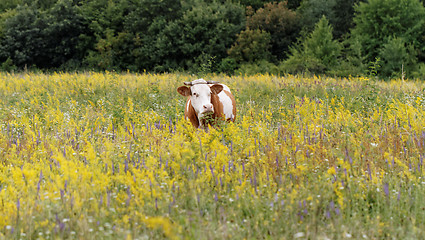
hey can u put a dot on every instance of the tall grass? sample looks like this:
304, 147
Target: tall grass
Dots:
107, 156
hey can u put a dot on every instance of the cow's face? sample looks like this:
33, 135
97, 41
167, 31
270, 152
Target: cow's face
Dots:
200, 97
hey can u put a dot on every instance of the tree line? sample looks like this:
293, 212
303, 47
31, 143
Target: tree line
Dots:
382, 38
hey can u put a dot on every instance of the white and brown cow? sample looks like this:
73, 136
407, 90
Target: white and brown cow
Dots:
207, 102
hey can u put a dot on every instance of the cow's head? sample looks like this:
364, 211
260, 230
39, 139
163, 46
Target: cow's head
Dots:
200, 92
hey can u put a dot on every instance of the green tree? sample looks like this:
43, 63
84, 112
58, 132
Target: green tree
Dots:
127, 34
311, 11
398, 58
351, 62
45, 39
114, 52
338, 12
107, 42
279, 21
103, 16
3, 17
209, 30
23, 38
251, 46
318, 53
377, 22
9, 4
157, 34
199, 38
65, 24
343, 13
256, 4
293, 4
145, 12
42, 4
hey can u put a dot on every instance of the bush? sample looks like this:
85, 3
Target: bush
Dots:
276, 19
204, 30
228, 65
318, 53
251, 46
351, 62
45, 39
397, 58
261, 66
378, 21
420, 72
8, 66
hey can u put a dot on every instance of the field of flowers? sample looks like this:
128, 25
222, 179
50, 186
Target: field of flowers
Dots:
109, 156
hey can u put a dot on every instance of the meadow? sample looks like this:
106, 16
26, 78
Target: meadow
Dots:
110, 156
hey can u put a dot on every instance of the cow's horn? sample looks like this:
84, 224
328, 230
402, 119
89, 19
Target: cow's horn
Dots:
212, 82
188, 83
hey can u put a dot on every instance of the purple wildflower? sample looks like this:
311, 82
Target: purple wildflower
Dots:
386, 190
328, 214
277, 162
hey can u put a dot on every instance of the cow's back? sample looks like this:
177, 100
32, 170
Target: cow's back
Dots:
228, 104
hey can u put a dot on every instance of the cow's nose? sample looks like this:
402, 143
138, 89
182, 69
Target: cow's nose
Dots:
208, 108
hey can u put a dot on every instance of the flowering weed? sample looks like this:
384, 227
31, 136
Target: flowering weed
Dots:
106, 156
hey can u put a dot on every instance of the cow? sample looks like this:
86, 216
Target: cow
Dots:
207, 102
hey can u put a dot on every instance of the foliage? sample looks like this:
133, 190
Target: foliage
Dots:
106, 46
209, 35
207, 29
259, 67
312, 11
163, 35
398, 58
374, 67
378, 23
8, 66
9, 4
342, 21
65, 24
3, 17
293, 4
43, 40
156, 29
23, 39
351, 61
257, 4
279, 21
109, 156
338, 12
318, 53
251, 46
228, 65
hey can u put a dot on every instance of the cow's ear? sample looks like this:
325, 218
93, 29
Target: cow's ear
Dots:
216, 88
185, 91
